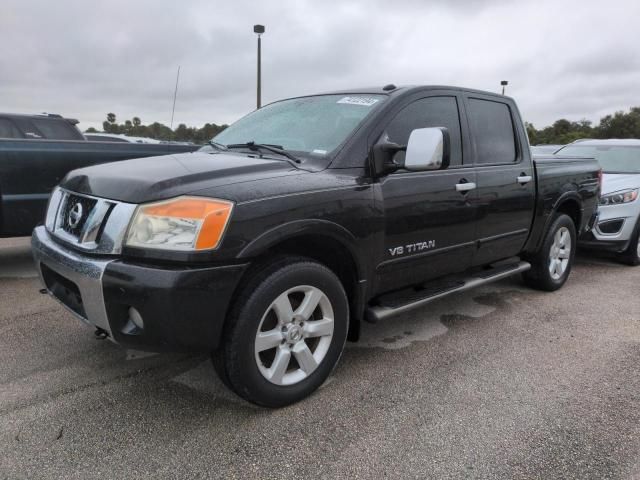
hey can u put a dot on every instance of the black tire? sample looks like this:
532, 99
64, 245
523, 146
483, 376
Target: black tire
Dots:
631, 256
236, 361
540, 277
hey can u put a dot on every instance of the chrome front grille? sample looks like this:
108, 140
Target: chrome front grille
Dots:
88, 223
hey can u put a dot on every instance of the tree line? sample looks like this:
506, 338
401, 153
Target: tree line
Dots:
618, 125
159, 131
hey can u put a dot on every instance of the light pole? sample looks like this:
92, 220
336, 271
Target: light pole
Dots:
259, 29
504, 83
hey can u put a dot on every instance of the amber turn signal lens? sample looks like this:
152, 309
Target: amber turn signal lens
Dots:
184, 223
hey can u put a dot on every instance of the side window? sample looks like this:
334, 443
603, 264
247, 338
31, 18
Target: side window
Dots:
492, 129
8, 129
56, 129
27, 128
429, 112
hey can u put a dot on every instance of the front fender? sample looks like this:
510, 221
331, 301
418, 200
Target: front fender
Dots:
301, 228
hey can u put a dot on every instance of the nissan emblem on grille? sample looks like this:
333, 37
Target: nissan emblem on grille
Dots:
75, 215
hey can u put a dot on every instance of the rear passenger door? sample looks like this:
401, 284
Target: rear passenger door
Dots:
504, 176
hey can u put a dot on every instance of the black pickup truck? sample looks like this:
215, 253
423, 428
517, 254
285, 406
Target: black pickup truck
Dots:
270, 247
37, 151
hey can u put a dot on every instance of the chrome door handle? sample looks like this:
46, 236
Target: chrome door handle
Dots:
465, 187
523, 179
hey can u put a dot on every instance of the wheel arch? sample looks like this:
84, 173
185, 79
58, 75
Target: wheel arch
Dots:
325, 242
570, 204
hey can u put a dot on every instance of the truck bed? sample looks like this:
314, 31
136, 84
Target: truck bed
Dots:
560, 178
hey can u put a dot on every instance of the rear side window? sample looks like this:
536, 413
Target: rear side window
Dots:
429, 112
493, 131
56, 129
8, 129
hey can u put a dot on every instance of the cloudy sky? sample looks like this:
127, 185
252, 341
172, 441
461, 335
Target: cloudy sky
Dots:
572, 59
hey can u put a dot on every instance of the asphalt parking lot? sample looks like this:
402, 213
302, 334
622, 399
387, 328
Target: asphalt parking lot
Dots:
501, 382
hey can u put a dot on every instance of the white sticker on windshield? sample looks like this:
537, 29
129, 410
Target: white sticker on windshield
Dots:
362, 101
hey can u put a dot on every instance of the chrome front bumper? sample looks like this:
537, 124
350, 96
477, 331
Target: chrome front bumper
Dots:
85, 273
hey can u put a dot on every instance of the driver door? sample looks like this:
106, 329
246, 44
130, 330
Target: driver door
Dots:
430, 221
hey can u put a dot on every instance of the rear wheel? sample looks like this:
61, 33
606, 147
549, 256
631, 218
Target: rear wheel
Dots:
631, 256
551, 266
285, 334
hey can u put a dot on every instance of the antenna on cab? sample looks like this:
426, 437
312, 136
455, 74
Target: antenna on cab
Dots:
175, 94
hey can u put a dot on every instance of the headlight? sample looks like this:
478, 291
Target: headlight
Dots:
184, 223
616, 198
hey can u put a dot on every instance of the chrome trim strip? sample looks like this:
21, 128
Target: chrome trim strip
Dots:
522, 231
94, 222
85, 272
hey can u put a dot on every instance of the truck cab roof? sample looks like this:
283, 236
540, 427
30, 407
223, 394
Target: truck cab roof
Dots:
393, 90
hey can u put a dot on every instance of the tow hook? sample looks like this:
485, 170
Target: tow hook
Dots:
100, 334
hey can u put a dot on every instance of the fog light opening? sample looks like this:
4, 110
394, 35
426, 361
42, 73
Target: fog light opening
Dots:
610, 227
135, 323
136, 318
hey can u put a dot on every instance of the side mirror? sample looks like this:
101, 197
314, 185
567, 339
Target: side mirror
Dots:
382, 154
428, 149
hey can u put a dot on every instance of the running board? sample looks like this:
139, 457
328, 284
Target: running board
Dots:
393, 307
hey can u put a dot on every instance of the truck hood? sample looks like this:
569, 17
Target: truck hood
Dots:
614, 182
156, 178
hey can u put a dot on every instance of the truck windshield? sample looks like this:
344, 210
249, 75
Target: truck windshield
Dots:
314, 125
612, 158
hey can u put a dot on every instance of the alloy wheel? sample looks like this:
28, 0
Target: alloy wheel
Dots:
294, 335
560, 253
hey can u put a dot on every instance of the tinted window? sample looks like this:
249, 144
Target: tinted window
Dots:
429, 112
8, 129
493, 131
56, 129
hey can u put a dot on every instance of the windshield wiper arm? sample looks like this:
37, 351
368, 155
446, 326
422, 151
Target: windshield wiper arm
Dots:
217, 146
265, 146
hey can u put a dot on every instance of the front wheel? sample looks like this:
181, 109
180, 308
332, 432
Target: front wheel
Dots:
285, 334
550, 267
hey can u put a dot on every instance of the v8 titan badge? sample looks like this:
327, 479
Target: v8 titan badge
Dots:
412, 248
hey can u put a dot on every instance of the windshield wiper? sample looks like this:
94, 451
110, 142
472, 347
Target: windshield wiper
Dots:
265, 146
216, 145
